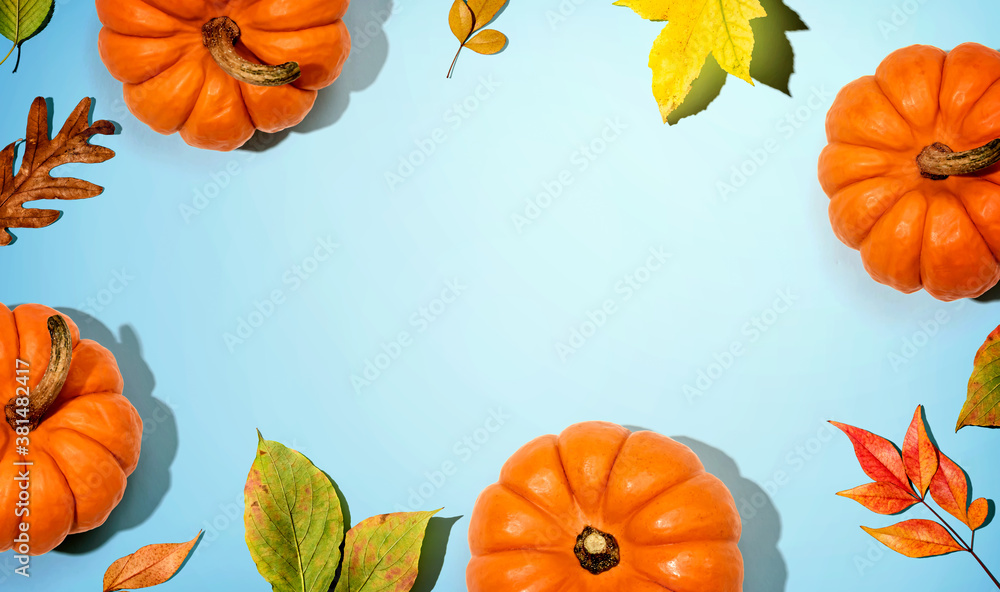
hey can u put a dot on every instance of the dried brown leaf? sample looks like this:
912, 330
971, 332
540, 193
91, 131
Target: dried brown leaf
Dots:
149, 566
41, 154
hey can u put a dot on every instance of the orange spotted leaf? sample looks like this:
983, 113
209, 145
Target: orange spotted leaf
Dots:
916, 538
920, 457
979, 510
382, 553
881, 498
149, 566
879, 458
950, 488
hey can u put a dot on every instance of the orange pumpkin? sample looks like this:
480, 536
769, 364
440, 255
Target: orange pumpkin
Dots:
910, 170
217, 70
600, 508
69, 439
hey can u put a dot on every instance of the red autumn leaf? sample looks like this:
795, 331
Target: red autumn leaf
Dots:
916, 538
950, 488
881, 498
879, 458
920, 457
979, 510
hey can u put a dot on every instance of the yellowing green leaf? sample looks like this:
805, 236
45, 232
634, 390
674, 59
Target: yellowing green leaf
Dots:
381, 554
696, 29
460, 20
485, 11
149, 566
294, 523
487, 42
982, 407
20, 19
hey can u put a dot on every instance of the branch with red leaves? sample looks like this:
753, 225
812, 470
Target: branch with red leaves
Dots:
902, 480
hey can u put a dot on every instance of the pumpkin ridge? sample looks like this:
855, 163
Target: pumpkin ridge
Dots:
181, 57
666, 489
88, 437
607, 478
644, 576
62, 476
895, 108
976, 103
555, 519
914, 186
961, 200
979, 233
204, 81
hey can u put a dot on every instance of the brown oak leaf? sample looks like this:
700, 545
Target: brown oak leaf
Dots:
41, 154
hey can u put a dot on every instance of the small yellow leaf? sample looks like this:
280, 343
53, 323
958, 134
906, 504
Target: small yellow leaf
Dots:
461, 20
485, 11
651, 10
487, 42
697, 28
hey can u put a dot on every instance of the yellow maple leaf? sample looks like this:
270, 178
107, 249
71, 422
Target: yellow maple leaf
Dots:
695, 29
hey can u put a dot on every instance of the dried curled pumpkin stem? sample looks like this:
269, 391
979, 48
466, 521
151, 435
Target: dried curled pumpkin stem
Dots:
597, 551
220, 36
45, 393
938, 161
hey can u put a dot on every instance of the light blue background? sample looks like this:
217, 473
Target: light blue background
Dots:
827, 357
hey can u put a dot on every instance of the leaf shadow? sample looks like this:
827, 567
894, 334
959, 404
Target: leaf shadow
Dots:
764, 567
150, 481
772, 62
345, 511
990, 514
365, 20
432, 554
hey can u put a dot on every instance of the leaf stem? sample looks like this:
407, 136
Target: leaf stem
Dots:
8, 53
962, 542
453, 62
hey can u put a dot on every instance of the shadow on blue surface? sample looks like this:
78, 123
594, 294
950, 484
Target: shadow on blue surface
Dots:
151, 480
365, 20
432, 553
764, 567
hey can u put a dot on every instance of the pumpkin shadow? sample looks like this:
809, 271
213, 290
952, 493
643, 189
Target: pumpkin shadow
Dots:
365, 20
991, 295
764, 567
151, 480
772, 62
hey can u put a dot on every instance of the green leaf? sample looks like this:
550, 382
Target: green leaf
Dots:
20, 19
294, 523
982, 407
382, 553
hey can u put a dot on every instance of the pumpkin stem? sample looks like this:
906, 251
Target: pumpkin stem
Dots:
938, 161
597, 551
220, 36
45, 393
